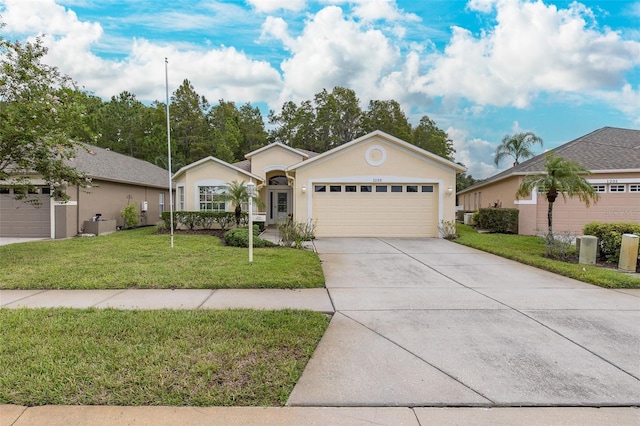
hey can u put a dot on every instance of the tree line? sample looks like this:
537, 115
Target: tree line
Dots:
228, 131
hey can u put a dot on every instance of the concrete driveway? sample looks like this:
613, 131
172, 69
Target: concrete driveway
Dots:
427, 322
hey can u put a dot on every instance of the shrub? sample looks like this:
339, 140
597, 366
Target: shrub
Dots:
204, 219
295, 233
130, 215
561, 246
499, 220
610, 237
162, 226
239, 237
448, 229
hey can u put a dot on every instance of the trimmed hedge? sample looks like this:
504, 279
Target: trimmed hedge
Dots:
199, 219
610, 237
239, 237
504, 221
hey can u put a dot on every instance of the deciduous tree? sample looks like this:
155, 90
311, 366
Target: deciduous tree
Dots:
429, 137
41, 110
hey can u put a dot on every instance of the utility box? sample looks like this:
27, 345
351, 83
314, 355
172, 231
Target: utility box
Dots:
588, 250
628, 253
468, 218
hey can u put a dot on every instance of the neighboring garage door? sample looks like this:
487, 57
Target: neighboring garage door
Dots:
375, 210
25, 219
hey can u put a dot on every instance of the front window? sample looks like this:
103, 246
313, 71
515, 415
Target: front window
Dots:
161, 201
209, 198
181, 198
278, 180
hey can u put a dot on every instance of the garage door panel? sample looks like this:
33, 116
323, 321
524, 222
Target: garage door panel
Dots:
382, 214
23, 219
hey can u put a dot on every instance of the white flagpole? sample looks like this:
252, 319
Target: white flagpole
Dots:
166, 76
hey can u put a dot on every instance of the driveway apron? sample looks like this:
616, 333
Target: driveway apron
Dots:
427, 322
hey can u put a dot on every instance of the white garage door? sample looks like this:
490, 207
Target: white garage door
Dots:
23, 219
375, 210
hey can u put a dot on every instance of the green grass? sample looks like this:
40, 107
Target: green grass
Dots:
177, 358
531, 251
140, 258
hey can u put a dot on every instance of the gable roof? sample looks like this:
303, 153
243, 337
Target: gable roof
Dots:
387, 137
238, 167
104, 164
603, 150
277, 144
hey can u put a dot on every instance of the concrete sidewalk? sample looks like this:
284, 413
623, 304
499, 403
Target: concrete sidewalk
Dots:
314, 299
301, 416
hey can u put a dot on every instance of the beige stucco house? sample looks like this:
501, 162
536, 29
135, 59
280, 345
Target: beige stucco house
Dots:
117, 180
374, 186
613, 157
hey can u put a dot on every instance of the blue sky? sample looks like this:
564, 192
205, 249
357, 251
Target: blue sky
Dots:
480, 68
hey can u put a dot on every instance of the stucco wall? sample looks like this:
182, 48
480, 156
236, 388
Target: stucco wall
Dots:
110, 198
570, 215
209, 173
273, 158
400, 165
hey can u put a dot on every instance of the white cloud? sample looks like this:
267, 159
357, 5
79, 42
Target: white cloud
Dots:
222, 72
332, 50
533, 48
375, 10
46, 17
473, 153
626, 100
268, 6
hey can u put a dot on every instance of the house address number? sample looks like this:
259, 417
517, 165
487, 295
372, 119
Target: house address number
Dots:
612, 180
377, 180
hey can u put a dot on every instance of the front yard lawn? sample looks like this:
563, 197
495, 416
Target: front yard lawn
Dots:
140, 258
177, 358
531, 251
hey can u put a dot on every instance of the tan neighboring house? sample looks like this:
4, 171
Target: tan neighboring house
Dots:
613, 157
374, 186
118, 180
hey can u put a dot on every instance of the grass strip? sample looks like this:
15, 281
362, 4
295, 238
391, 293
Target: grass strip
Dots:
140, 258
531, 250
178, 358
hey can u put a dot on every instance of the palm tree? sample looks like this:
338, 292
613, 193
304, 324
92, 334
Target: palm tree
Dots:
517, 146
237, 194
562, 177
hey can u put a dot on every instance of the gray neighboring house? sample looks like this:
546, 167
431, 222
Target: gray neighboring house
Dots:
117, 180
613, 157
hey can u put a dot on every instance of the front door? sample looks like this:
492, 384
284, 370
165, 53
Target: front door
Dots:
279, 206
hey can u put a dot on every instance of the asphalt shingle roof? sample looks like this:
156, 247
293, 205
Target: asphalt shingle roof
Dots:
100, 163
608, 148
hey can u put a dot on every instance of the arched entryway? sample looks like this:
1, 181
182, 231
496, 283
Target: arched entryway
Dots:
279, 202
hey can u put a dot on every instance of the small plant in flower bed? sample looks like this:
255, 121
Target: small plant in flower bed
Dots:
239, 237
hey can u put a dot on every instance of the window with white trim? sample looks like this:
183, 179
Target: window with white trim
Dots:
161, 201
208, 198
634, 187
600, 188
181, 198
617, 188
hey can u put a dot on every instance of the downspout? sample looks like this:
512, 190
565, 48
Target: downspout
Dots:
78, 209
